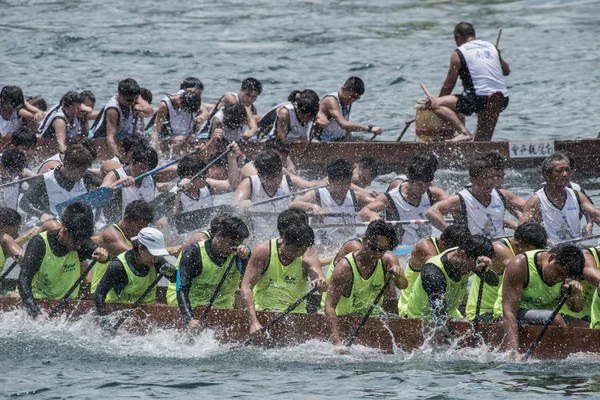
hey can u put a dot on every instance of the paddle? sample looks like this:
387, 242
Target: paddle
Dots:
581, 239
406, 125
282, 314
401, 222
537, 340
285, 196
135, 305
425, 90
65, 298
475, 326
213, 297
498, 37
8, 270
18, 181
354, 335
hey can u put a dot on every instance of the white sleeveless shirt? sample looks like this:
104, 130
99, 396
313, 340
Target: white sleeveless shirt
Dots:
232, 135
10, 125
124, 124
561, 224
179, 121
406, 211
329, 236
46, 128
57, 194
334, 131
483, 67
487, 221
265, 227
204, 200
55, 157
146, 191
297, 130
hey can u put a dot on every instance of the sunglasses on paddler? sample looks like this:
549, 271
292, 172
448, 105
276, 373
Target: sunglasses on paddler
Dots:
377, 248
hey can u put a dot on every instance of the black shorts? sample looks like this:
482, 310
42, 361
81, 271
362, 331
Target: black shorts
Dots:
469, 104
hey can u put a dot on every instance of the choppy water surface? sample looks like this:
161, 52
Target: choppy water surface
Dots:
50, 47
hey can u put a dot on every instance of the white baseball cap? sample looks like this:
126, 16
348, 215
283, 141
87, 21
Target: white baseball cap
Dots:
154, 241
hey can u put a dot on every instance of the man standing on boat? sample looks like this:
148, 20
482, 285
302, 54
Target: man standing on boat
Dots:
52, 259
481, 70
359, 277
533, 284
334, 113
556, 205
278, 274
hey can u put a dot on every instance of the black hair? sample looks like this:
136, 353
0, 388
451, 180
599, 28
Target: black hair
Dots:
146, 155
88, 94
233, 228
90, 147
477, 246
252, 85
570, 157
370, 164
79, 221
426, 157
354, 85
234, 115
532, 233
454, 235
268, 163
215, 223
571, 257
420, 172
381, 228
340, 170
464, 29
13, 96
139, 210
23, 137
291, 217
146, 94
191, 83
38, 102
479, 166
132, 141
496, 160
77, 156
554, 157
70, 98
9, 217
299, 235
278, 145
129, 87
306, 100
190, 101
190, 165
13, 160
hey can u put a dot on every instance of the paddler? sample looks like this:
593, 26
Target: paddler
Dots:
132, 272
589, 284
334, 113
116, 238
124, 157
482, 206
10, 243
481, 70
13, 112
63, 121
201, 266
527, 237
52, 259
359, 277
533, 284
426, 157
425, 249
175, 116
12, 164
278, 274
556, 205
57, 159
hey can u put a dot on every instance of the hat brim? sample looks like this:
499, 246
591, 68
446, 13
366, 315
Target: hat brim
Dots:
159, 252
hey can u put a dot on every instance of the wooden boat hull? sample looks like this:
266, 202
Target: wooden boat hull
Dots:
231, 326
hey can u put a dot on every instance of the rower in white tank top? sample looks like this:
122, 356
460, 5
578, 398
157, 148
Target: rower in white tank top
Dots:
46, 128
561, 223
10, 125
406, 211
487, 221
265, 227
180, 122
124, 123
481, 71
334, 131
57, 157
204, 200
231, 135
297, 130
57, 194
146, 191
331, 236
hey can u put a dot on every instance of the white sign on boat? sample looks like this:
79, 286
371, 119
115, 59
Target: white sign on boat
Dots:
530, 149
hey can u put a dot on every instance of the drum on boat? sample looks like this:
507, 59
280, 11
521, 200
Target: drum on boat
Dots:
429, 127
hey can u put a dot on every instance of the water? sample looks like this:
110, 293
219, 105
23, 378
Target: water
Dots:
50, 47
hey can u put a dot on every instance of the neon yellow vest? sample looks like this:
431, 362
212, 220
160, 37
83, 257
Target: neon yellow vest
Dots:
490, 293
595, 312
2, 259
418, 301
329, 274
536, 295
100, 268
56, 274
280, 285
135, 287
411, 276
587, 291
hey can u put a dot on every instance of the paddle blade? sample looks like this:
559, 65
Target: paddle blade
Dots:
95, 199
197, 219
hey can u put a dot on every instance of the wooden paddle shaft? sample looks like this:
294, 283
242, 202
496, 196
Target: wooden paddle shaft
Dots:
498, 37
425, 90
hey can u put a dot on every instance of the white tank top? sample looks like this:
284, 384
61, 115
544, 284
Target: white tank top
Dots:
297, 130
406, 211
46, 128
8, 126
204, 200
339, 235
145, 192
487, 221
334, 131
9, 196
124, 124
179, 121
232, 135
480, 64
265, 227
55, 157
561, 224
57, 194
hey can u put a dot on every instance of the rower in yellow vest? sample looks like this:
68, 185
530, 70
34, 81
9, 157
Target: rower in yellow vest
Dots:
116, 238
595, 311
132, 272
201, 266
205, 235
425, 249
278, 271
442, 285
52, 259
533, 285
591, 275
359, 277
528, 236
